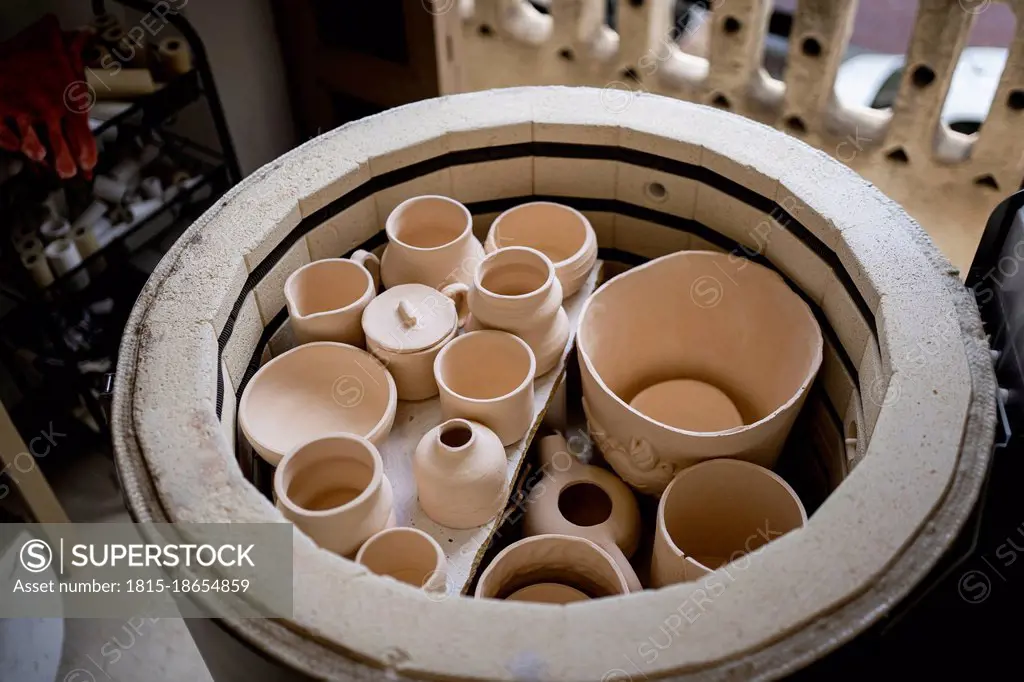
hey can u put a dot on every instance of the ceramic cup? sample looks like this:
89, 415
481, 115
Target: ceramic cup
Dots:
559, 569
333, 488
408, 555
313, 390
586, 501
515, 290
561, 233
716, 512
720, 356
326, 298
430, 241
487, 376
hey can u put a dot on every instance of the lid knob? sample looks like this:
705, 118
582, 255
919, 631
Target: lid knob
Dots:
406, 313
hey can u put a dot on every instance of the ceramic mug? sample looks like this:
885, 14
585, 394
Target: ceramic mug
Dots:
430, 241
716, 512
334, 490
408, 555
326, 298
487, 376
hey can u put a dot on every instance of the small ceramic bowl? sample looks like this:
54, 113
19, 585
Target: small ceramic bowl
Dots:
313, 390
561, 233
487, 377
408, 555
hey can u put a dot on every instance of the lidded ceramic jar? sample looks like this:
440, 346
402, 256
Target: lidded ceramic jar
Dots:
461, 474
515, 290
406, 327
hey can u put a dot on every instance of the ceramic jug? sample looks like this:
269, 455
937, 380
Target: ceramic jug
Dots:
430, 241
326, 298
586, 501
461, 470
515, 290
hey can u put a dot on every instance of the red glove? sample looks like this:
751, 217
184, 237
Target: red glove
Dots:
39, 68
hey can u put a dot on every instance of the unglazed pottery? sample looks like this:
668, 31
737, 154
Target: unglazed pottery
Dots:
406, 327
585, 501
326, 298
460, 471
430, 241
548, 560
313, 390
515, 290
716, 512
333, 488
487, 376
408, 555
561, 233
741, 338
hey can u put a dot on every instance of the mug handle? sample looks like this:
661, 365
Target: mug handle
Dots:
371, 263
459, 293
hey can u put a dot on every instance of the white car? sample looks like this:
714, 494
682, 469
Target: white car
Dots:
872, 80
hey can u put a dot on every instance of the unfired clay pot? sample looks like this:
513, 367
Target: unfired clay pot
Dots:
313, 390
460, 470
487, 376
408, 555
716, 512
406, 327
515, 290
561, 233
585, 501
326, 298
551, 560
719, 355
430, 241
333, 488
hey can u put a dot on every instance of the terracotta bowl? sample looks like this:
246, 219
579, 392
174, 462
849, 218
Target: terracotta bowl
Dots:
314, 390
733, 329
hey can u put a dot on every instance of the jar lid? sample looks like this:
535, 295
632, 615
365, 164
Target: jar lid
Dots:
409, 318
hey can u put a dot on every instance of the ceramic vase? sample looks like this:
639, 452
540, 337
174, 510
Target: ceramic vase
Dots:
431, 242
549, 564
515, 290
585, 501
326, 298
406, 327
487, 377
314, 390
408, 555
716, 512
460, 470
333, 489
692, 356
561, 233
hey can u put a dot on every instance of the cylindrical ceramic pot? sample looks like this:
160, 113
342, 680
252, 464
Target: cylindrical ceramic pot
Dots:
561, 233
326, 298
515, 290
487, 376
461, 471
716, 512
406, 327
720, 368
560, 560
408, 555
314, 390
585, 501
334, 490
430, 241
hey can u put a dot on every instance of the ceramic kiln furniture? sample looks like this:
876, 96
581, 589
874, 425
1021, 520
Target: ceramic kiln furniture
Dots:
906, 379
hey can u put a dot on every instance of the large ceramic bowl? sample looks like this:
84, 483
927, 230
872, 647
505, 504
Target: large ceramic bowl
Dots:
731, 325
314, 390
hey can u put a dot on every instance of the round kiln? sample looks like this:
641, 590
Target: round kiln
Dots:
905, 389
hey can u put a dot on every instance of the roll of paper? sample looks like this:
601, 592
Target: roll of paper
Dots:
109, 189
85, 240
96, 210
38, 268
114, 84
54, 228
152, 188
63, 258
175, 55
141, 210
30, 244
